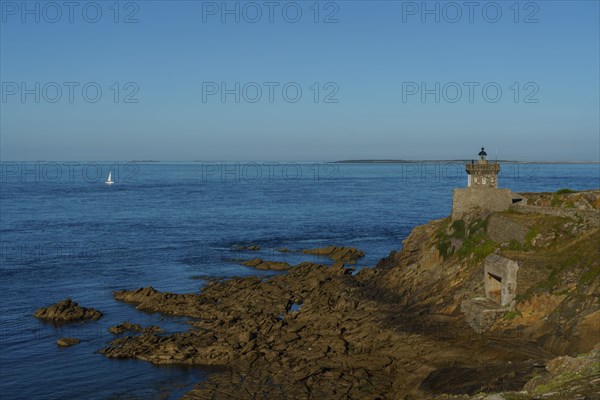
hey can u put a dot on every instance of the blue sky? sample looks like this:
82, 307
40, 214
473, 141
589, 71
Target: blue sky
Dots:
375, 61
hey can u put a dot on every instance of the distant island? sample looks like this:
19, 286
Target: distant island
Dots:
389, 161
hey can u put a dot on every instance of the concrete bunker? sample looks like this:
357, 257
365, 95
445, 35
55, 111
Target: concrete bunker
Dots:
500, 280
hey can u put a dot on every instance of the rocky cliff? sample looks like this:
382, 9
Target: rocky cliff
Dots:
399, 330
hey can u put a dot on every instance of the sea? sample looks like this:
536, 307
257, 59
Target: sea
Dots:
64, 233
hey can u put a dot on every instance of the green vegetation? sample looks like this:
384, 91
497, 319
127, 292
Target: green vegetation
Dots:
472, 239
459, 229
445, 248
444, 245
574, 264
516, 396
484, 249
558, 200
590, 276
531, 234
515, 245
567, 378
476, 242
512, 315
478, 225
565, 191
561, 386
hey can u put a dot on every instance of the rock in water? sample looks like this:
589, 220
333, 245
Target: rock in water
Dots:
251, 247
341, 254
66, 342
67, 311
259, 263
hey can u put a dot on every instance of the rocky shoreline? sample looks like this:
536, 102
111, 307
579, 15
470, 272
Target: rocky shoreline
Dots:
397, 330
347, 340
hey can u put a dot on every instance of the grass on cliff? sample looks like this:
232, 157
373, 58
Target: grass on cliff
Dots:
515, 245
573, 262
565, 191
510, 315
559, 200
568, 379
472, 238
566, 262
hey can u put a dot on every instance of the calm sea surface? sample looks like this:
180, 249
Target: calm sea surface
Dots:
64, 233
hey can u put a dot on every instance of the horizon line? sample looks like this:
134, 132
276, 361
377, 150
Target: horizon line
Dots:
344, 161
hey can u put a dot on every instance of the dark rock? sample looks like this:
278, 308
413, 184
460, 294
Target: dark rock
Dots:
66, 342
261, 264
129, 327
251, 247
67, 311
342, 254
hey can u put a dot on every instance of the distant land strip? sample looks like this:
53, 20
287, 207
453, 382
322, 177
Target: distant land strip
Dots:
465, 161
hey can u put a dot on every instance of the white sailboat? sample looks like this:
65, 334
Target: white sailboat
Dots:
109, 181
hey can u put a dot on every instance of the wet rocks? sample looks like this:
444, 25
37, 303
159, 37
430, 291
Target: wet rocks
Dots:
338, 343
67, 342
151, 300
67, 311
261, 264
341, 254
129, 327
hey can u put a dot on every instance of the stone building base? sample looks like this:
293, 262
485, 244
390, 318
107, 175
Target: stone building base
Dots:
481, 313
475, 200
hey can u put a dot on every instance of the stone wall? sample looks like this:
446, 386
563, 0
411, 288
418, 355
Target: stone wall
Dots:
478, 199
590, 216
481, 313
502, 228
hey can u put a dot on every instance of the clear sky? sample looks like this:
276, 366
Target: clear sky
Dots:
384, 62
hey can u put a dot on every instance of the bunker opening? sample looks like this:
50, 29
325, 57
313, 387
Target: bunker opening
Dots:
494, 287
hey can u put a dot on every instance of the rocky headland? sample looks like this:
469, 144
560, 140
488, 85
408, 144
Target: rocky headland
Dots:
401, 330
427, 322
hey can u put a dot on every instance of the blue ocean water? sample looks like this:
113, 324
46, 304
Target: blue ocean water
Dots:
64, 233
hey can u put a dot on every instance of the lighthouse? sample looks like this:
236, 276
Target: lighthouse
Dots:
482, 174
482, 196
